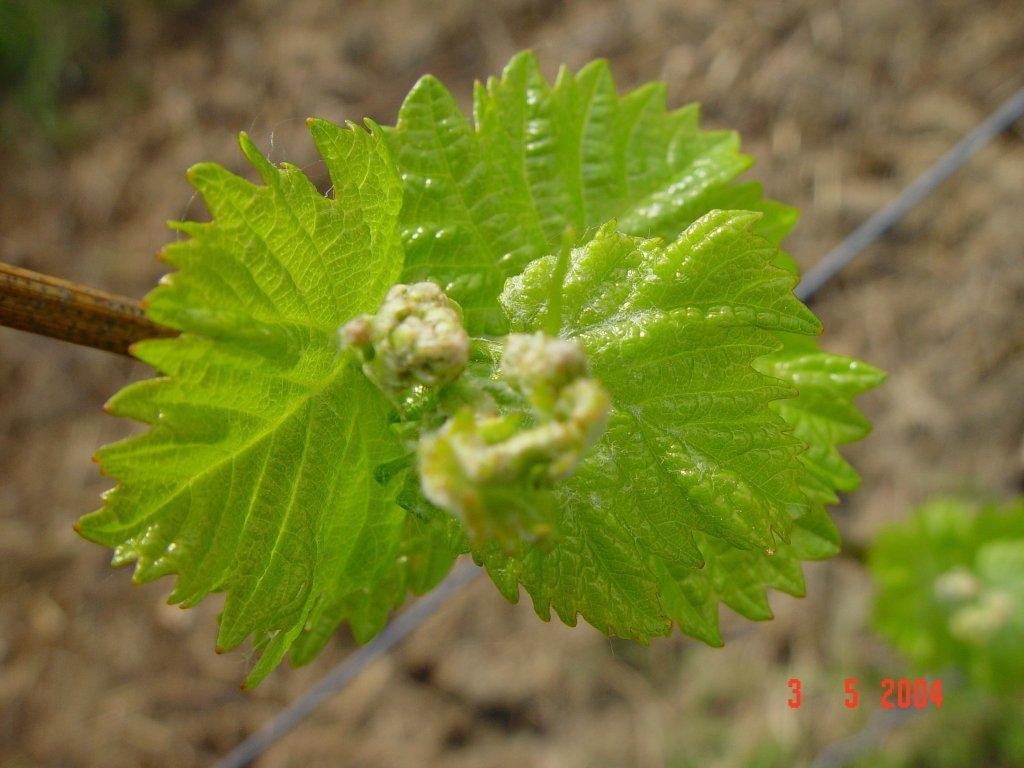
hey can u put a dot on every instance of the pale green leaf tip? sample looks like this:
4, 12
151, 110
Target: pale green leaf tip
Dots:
252, 153
321, 128
227, 635
518, 59
247, 145
598, 65
790, 212
427, 83
525, 60
564, 77
742, 219
874, 375
653, 89
606, 230
195, 173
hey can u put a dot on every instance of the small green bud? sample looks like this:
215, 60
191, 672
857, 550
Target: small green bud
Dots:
482, 467
957, 586
979, 622
582, 411
537, 360
415, 338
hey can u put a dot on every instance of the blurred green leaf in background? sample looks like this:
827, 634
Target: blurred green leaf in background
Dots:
951, 589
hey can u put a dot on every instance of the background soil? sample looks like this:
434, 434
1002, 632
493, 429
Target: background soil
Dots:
842, 104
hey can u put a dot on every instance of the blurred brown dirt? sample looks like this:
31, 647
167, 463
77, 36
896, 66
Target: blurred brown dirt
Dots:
842, 104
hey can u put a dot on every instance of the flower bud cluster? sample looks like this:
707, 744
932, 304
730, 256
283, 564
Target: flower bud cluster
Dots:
474, 462
983, 618
979, 611
415, 338
534, 360
957, 586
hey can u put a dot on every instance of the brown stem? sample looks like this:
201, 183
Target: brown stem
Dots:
62, 310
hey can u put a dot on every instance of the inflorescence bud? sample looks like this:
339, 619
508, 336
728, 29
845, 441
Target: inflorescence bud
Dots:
415, 338
483, 467
979, 621
957, 586
533, 360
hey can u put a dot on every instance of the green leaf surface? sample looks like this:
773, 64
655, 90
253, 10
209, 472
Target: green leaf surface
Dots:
539, 160
256, 477
823, 416
696, 468
950, 589
484, 200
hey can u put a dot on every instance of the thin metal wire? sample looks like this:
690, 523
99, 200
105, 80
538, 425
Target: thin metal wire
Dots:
425, 607
341, 675
881, 222
881, 723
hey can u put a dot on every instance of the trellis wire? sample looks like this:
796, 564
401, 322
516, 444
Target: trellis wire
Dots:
815, 278
882, 221
342, 674
882, 722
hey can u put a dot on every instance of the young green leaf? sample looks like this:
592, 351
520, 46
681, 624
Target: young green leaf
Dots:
484, 199
695, 467
950, 586
823, 416
256, 477
280, 466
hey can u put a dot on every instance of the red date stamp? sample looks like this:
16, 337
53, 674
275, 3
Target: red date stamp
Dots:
895, 693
